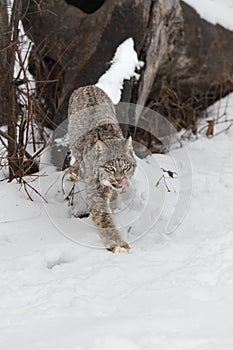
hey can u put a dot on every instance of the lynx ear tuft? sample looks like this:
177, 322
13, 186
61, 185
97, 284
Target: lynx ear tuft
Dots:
128, 144
100, 147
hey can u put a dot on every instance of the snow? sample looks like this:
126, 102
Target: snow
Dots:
172, 291
61, 290
214, 11
123, 66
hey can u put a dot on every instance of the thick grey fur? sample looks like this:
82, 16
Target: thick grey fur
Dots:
104, 159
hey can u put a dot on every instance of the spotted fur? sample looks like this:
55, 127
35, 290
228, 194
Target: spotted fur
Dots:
104, 159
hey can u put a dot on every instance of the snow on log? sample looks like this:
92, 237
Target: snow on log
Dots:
124, 64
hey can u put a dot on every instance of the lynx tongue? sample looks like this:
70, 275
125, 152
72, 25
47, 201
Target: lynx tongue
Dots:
123, 182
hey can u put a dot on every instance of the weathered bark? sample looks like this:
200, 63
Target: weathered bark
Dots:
199, 72
165, 25
8, 43
3, 59
188, 60
72, 48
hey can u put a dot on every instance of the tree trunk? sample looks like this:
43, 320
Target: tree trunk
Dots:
73, 48
188, 60
8, 43
3, 60
199, 72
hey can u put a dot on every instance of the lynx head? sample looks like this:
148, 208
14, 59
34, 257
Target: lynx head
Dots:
116, 163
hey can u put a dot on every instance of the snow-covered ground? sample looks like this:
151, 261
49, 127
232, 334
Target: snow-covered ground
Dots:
61, 290
170, 292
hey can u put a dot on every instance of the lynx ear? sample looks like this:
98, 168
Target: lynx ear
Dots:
128, 144
100, 147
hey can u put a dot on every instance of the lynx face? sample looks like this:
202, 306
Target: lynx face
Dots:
116, 163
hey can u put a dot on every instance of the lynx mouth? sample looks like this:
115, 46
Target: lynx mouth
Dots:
117, 186
120, 185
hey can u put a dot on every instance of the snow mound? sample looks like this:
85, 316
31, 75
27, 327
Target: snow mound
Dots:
214, 11
123, 66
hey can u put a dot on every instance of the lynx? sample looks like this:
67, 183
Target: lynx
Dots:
104, 160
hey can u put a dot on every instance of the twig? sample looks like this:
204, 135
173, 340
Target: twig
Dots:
216, 123
9, 138
25, 183
70, 196
222, 131
165, 182
52, 185
26, 190
170, 172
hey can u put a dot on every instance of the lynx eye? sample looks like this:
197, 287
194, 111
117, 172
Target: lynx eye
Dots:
126, 167
110, 169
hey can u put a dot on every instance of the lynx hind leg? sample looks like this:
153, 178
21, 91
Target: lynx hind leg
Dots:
72, 172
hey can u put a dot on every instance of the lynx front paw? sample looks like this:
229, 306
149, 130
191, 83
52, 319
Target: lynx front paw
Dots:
122, 248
